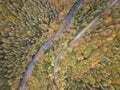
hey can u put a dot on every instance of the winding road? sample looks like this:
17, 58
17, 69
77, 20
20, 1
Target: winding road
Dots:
77, 37
47, 44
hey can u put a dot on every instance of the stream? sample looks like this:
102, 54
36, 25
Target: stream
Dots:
46, 45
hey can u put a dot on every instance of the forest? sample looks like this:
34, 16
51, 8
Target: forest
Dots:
59, 45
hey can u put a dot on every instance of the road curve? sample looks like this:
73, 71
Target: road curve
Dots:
80, 35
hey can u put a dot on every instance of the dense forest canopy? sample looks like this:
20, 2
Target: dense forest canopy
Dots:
90, 63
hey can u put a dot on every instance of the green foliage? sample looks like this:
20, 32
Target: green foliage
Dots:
91, 63
21, 34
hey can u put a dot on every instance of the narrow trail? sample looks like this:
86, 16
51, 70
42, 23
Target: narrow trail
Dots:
46, 45
77, 37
